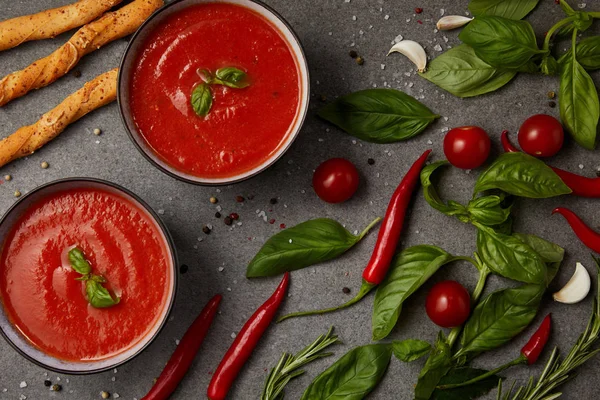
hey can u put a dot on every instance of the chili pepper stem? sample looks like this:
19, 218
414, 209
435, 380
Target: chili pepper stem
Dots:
518, 361
368, 228
364, 290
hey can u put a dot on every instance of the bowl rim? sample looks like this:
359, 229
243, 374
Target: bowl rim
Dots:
304, 106
174, 259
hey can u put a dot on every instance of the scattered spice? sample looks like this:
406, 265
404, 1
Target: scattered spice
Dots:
250, 197
234, 216
217, 215
214, 200
7, 178
282, 226
419, 22
17, 193
273, 200
183, 269
97, 131
206, 229
105, 395
353, 53
47, 383
77, 73
552, 104
272, 221
239, 199
371, 161
228, 221
45, 165
551, 95
346, 290
418, 10
56, 387
360, 60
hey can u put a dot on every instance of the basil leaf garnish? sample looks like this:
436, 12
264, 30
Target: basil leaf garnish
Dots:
410, 349
98, 295
509, 257
232, 77
470, 392
432, 197
501, 42
436, 367
490, 210
498, 318
379, 115
588, 53
408, 272
353, 376
552, 254
78, 261
305, 244
460, 72
513, 9
202, 99
521, 175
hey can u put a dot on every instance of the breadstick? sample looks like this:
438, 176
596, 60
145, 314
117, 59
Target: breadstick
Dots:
50, 23
95, 94
110, 27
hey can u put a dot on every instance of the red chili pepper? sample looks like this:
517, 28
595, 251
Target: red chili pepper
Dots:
245, 342
182, 358
587, 235
387, 241
580, 185
533, 348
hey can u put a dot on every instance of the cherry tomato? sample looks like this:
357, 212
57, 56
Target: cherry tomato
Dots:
448, 304
335, 180
541, 136
467, 147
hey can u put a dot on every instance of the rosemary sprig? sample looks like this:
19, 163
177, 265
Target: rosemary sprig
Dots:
289, 365
557, 371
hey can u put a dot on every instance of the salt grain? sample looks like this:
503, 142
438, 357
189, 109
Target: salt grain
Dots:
23, 384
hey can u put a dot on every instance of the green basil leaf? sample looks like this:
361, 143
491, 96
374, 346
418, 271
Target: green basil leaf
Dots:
549, 66
408, 272
489, 210
379, 115
232, 77
353, 376
588, 53
460, 72
433, 198
501, 42
551, 253
78, 261
464, 374
509, 257
521, 175
513, 9
583, 22
98, 295
410, 349
436, 367
305, 244
202, 99
498, 318
579, 105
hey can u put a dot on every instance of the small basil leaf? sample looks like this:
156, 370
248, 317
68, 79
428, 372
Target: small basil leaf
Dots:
551, 253
470, 392
78, 261
202, 99
549, 66
379, 115
509, 257
232, 77
521, 175
410, 349
583, 22
408, 272
588, 53
205, 75
98, 295
432, 197
513, 9
579, 104
501, 42
436, 367
353, 376
498, 318
305, 244
489, 210
460, 72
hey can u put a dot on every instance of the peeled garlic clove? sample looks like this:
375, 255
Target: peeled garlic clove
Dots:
450, 22
413, 50
576, 289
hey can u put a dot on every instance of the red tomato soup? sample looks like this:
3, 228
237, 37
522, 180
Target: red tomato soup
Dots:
245, 127
39, 290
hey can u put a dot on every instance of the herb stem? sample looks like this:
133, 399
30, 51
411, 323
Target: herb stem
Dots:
368, 228
553, 30
517, 361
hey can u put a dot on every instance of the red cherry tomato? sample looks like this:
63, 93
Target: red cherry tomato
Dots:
448, 304
467, 147
336, 180
541, 136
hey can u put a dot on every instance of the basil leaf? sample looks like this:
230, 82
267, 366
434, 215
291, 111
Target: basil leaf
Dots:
410, 349
78, 261
202, 99
436, 367
464, 374
501, 42
408, 272
513, 9
498, 318
460, 72
509, 257
579, 105
588, 53
379, 115
432, 197
353, 376
98, 295
232, 77
489, 210
521, 175
552, 254
305, 244
583, 22
549, 66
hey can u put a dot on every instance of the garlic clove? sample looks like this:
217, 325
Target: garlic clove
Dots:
450, 22
413, 50
576, 289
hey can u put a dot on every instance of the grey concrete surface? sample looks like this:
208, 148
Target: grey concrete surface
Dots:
328, 30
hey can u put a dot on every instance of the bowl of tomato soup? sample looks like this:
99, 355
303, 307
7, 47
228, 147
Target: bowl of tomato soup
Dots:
214, 92
87, 276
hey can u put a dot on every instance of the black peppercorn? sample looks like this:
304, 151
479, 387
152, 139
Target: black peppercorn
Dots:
47, 383
552, 104
217, 215
370, 161
183, 269
228, 221
273, 201
56, 387
239, 199
353, 53
206, 229
346, 290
